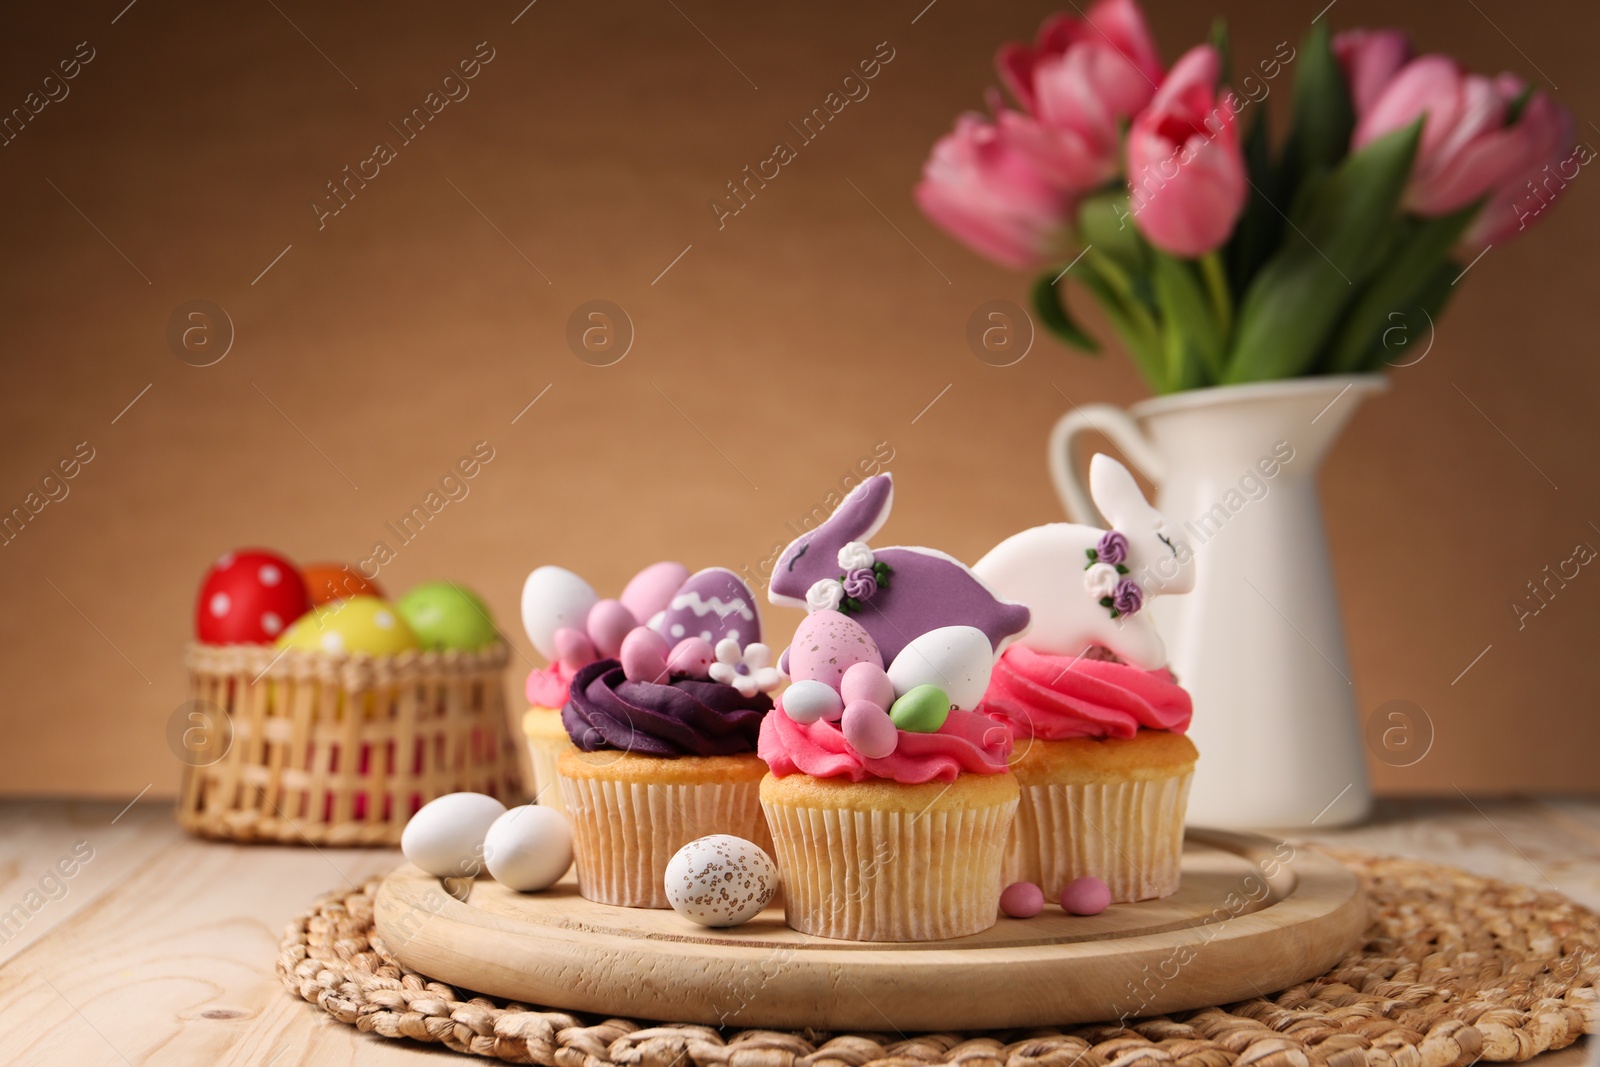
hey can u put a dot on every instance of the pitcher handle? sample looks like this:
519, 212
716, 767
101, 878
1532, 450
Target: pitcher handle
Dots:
1123, 431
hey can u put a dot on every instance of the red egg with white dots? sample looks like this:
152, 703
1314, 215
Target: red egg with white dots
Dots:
249, 597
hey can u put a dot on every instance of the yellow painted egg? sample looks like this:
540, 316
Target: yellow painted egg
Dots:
360, 624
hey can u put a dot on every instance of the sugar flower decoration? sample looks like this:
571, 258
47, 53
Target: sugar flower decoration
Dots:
1101, 579
749, 670
856, 556
1113, 547
859, 584
826, 594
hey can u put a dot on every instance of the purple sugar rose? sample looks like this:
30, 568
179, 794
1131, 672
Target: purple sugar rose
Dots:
860, 583
1128, 598
1113, 548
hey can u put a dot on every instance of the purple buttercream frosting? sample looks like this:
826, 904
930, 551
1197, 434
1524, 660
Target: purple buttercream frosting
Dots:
685, 717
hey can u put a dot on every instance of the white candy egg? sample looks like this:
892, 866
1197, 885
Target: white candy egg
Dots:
554, 597
721, 880
957, 659
528, 848
446, 837
808, 700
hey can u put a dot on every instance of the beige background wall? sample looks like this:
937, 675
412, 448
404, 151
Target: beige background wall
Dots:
774, 354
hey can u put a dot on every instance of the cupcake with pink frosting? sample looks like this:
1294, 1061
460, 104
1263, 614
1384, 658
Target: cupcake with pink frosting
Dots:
1101, 757
888, 796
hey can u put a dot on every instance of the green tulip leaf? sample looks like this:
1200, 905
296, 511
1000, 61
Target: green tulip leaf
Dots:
1293, 305
1051, 305
1322, 117
1192, 336
1421, 246
1260, 228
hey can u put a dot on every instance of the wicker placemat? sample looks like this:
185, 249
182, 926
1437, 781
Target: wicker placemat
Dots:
1455, 968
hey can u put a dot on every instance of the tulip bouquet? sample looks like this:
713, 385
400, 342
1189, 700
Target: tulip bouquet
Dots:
1217, 257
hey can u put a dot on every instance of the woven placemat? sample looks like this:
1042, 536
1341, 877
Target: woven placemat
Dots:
1455, 968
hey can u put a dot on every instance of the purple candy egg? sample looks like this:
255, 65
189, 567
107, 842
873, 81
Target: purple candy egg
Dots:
712, 604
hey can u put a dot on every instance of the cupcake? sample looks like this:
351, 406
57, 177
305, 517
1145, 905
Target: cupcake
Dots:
663, 740
572, 627
1101, 757
889, 798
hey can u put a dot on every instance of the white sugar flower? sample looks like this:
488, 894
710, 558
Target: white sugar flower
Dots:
750, 671
1101, 580
826, 594
855, 556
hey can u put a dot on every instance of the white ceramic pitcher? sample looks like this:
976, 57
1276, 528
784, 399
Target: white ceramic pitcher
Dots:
1259, 643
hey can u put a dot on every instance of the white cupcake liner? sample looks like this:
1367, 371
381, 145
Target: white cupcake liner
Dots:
1130, 834
888, 875
545, 754
625, 832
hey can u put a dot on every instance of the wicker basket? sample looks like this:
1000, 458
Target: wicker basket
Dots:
335, 749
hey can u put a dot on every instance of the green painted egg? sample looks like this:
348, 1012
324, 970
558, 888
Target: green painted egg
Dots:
444, 615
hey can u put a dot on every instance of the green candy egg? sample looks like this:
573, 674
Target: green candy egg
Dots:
921, 709
443, 615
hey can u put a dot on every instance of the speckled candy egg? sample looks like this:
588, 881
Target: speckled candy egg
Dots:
249, 597
711, 604
444, 615
360, 624
720, 880
828, 643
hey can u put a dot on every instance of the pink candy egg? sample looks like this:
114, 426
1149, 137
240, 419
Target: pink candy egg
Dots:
650, 591
573, 647
644, 655
1022, 900
867, 681
609, 622
828, 643
692, 656
1086, 896
869, 730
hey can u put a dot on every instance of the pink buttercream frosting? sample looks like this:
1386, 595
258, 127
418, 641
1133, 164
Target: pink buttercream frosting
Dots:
1059, 697
547, 686
966, 742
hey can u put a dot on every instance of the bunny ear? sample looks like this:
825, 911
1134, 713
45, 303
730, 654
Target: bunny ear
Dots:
1115, 493
815, 554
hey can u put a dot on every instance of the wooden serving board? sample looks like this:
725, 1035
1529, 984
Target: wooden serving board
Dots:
1253, 916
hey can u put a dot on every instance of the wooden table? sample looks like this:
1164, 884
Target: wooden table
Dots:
159, 949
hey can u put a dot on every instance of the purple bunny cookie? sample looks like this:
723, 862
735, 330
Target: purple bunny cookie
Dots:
917, 589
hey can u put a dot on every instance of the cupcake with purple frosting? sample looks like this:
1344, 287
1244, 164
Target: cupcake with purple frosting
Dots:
664, 740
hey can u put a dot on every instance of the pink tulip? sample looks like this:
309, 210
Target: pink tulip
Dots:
1370, 59
1548, 160
1466, 150
987, 191
1185, 170
1077, 83
1128, 71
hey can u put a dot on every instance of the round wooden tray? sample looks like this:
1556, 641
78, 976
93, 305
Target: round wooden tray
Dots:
1253, 916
